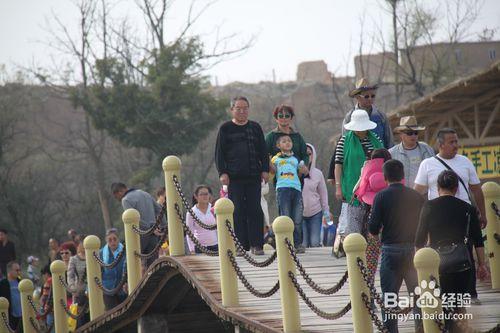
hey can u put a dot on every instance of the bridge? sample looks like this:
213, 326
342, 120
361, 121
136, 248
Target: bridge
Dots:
282, 291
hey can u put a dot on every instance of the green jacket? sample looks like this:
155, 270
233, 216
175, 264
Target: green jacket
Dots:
299, 145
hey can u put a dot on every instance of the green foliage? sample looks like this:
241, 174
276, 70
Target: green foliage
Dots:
169, 114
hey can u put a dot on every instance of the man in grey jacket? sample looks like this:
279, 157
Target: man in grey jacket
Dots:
148, 209
364, 93
410, 151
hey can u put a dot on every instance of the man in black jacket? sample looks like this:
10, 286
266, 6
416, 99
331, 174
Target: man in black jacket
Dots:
9, 289
7, 252
242, 162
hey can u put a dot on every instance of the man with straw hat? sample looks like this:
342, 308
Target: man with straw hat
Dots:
410, 151
364, 93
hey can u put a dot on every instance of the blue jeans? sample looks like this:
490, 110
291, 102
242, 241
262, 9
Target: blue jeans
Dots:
311, 230
396, 265
290, 204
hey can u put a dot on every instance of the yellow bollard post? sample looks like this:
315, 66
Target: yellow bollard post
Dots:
59, 294
491, 192
172, 167
283, 228
26, 289
224, 209
36, 298
354, 247
96, 301
426, 263
131, 217
4, 313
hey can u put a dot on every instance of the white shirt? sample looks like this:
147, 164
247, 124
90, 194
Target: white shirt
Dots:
430, 168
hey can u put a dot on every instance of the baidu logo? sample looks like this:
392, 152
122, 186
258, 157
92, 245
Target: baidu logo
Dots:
427, 299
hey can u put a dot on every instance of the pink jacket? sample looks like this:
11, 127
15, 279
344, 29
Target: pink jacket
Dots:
314, 193
370, 167
206, 237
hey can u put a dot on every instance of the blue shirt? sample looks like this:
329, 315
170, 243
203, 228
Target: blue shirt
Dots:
15, 299
286, 171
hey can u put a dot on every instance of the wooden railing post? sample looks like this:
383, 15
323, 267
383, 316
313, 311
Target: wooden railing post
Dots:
4, 313
355, 247
491, 192
426, 263
92, 245
224, 210
283, 228
59, 293
130, 218
172, 167
26, 290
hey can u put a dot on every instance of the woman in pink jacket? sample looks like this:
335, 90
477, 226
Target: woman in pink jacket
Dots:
315, 199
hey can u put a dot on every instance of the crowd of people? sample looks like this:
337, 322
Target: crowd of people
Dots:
400, 197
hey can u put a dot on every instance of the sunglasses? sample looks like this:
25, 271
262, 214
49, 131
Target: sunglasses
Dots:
368, 96
64, 252
284, 115
410, 133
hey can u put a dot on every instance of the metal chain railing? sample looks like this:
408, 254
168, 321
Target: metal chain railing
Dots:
187, 207
308, 279
111, 264
6, 323
378, 323
67, 287
374, 294
495, 209
247, 284
241, 249
37, 312
81, 313
155, 226
154, 251
191, 236
314, 308
41, 328
115, 290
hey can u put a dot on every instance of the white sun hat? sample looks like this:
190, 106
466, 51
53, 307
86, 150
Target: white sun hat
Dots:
360, 121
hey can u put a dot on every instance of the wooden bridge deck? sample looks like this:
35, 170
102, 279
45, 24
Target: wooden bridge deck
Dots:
265, 314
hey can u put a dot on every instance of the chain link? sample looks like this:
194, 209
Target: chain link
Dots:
241, 249
112, 264
190, 234
83, 310
115, 290
41, 328
247, 284
308, 279
379, 324
155, 226
66, 286
6, 323
187, 207
495, 209
155, 250
314, 308
374, 294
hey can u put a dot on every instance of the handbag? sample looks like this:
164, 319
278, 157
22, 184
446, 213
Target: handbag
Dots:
455, 257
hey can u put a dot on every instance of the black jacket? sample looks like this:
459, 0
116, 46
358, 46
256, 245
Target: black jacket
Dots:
5, 292
240, 150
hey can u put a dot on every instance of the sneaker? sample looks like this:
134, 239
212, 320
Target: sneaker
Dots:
476, 301
300, 249
257, 251
240, 253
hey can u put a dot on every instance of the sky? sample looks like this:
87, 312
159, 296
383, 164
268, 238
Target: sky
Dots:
285, 32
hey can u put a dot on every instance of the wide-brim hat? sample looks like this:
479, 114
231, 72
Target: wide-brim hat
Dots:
408, 123
360, 121
362, 85
376, 184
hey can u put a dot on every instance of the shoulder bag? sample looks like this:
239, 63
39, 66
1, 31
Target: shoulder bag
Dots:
455, 257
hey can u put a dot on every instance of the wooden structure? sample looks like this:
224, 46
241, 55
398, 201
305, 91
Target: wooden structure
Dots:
185, 291
471, 105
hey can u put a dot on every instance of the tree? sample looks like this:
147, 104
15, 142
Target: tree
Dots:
169, 114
